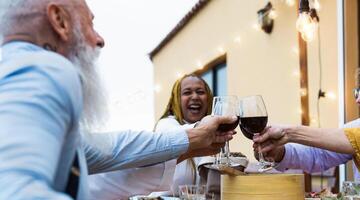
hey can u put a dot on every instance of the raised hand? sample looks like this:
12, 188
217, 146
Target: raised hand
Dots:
206, 133
271, 139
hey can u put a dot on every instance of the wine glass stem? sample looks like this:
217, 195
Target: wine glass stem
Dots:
227, 152
261, 157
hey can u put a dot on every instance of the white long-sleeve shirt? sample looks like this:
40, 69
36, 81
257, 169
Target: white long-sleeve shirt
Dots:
185, 172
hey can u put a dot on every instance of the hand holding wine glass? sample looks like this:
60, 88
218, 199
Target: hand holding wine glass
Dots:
253, 120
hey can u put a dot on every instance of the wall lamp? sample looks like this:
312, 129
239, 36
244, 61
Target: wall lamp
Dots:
266, 18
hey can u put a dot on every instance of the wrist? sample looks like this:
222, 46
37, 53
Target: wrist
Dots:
290, 132
194, 139
280, 155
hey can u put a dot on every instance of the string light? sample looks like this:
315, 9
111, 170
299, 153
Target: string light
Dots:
290, 2
199, 65
313, 120
179, 74
157, 88
307, 26
307, 22
221, 50
256, 26
296, 50
237, 39
296, 73
303, 92
300, 111
316, 5
330, 95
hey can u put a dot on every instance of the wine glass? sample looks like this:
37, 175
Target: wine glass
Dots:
225, 106
253, 120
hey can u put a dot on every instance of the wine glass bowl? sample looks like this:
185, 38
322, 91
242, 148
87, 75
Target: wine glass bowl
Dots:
252, 125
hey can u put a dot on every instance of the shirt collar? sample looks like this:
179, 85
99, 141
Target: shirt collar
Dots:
14, 47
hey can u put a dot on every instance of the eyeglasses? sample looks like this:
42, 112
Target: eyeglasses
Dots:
356, 92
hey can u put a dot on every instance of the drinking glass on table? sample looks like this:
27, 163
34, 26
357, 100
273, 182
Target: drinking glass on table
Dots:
192, 192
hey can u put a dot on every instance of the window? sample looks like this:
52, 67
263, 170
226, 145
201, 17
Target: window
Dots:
216, 79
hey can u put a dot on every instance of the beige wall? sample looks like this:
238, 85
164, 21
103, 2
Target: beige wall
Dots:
260, 64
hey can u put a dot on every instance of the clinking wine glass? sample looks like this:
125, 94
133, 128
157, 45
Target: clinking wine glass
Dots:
225, 106
253, 120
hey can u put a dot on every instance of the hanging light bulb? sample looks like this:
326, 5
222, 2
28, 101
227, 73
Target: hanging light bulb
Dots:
316, 5
290, 2
309, 31
302, 21
307, 22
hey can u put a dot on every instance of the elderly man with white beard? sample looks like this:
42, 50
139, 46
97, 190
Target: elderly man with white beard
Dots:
49, 95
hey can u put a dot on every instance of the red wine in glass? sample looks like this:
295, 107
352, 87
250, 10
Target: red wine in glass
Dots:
228, 127
252, 125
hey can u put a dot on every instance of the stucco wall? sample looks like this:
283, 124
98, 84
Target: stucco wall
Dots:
258, 64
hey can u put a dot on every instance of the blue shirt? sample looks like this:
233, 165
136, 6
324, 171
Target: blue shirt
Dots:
40, 106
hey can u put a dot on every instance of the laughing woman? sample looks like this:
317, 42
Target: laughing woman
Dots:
190, 101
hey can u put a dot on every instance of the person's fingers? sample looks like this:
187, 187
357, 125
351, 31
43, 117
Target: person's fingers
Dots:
268, 146
217, 145
278, 133
231, 132
223, 138
226, 119
261, 138
265, 129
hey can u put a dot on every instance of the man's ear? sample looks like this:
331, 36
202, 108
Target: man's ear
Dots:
59, 20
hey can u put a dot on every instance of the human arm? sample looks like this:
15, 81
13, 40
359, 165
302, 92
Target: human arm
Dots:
309, 159
134, 149
169, 124
330, 139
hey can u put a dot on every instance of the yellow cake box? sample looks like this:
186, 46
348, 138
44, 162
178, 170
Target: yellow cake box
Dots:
262, 187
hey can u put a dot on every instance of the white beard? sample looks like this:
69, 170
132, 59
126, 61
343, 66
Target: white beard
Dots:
84, 58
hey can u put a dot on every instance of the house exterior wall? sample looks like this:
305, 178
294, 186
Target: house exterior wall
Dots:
259, 64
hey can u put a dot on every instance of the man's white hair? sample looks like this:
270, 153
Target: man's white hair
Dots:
13, 10
83, 56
